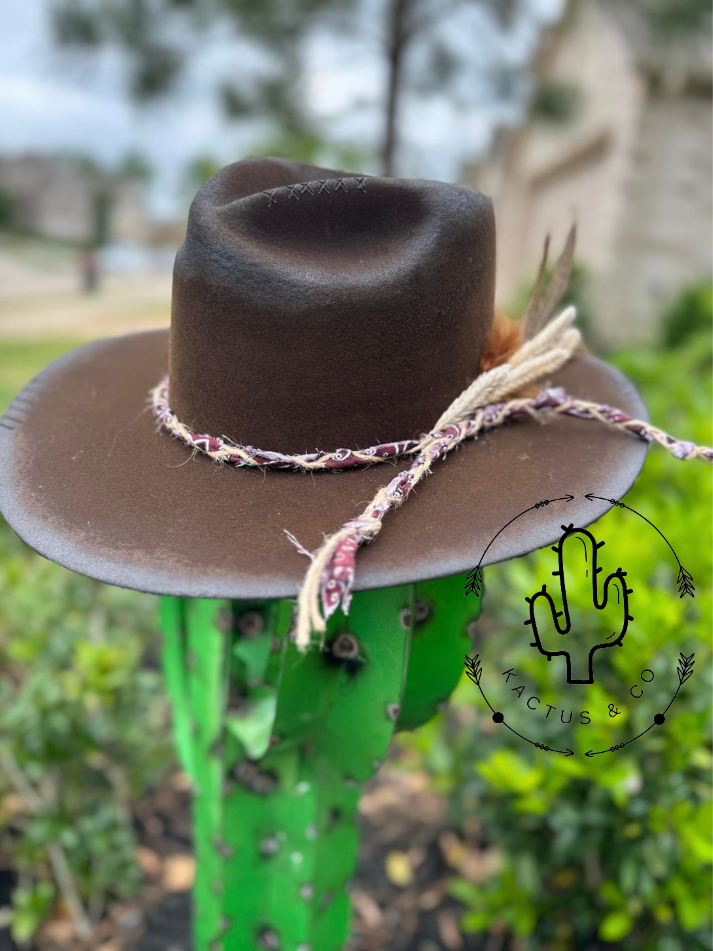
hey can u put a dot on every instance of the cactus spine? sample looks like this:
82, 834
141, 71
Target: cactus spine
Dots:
278, 744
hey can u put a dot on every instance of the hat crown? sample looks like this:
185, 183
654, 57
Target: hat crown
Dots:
314, 309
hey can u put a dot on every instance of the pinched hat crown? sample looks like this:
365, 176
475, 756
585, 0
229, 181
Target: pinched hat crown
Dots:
314, 309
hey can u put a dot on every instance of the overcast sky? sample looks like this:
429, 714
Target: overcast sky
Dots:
50, 101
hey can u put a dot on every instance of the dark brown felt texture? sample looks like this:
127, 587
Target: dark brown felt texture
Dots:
86, 479
338, 312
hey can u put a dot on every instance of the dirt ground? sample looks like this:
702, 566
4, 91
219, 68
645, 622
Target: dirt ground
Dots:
400, 894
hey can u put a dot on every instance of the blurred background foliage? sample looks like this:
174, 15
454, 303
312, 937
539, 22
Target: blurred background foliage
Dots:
550, 853
617, 852
83, 733
620, 850
153, 39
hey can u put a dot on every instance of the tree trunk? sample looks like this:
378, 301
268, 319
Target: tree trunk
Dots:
397, 42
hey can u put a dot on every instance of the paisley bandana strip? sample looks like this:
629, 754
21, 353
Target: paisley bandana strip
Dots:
223, 450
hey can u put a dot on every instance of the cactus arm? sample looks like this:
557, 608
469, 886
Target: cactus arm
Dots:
355, 736
441, 636
175, 672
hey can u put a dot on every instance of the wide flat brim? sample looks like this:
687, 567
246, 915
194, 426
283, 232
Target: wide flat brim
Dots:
87, 481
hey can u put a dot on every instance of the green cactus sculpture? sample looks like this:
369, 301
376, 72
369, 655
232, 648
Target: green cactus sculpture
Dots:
278, 744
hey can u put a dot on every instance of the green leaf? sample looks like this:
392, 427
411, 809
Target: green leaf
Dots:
615, 926
30, 908
508, 771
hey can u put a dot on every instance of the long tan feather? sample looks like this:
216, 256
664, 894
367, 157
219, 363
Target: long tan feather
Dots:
534, 301
540, 315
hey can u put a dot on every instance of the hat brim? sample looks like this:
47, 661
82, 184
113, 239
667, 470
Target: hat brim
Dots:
87, 481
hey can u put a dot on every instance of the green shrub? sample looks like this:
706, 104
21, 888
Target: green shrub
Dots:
7, 210
83, 732
689, 315
617, 850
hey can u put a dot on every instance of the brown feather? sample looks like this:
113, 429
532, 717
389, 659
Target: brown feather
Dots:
542, 310
505, 337
535, 300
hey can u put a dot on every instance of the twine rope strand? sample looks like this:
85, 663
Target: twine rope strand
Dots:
488, 402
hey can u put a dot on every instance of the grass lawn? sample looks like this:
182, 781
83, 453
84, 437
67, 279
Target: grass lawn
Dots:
20, 361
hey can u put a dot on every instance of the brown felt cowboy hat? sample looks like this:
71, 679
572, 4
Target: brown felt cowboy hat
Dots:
311, 310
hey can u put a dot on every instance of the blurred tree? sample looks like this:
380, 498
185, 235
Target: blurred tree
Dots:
676, 16
157, 36
414, 22
83, 161
135, 165
102, 215
7, 211
200, 170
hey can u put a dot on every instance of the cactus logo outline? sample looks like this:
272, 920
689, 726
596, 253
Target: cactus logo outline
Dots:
517, 707
612, 597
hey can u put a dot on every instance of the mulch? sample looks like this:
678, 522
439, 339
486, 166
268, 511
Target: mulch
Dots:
400, 892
